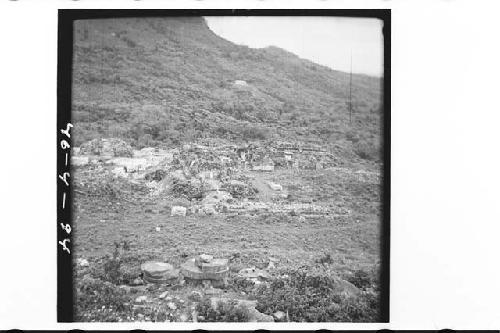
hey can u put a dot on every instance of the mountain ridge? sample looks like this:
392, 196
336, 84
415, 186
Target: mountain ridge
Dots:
164, 81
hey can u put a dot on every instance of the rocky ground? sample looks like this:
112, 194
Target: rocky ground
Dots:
325, 222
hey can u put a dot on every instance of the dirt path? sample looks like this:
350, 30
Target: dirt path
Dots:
265, 193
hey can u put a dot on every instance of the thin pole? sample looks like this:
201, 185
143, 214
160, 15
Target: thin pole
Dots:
350, 92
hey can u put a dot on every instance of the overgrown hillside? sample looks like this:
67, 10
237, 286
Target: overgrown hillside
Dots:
164, 81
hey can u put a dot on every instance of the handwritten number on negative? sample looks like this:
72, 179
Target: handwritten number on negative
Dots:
63, 178
65, 144
66, 227
66, 131
63, 244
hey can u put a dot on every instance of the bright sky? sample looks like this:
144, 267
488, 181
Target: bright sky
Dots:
324, 40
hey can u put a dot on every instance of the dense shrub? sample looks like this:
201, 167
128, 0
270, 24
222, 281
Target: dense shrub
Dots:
254, 133
352, 136
360, 279
315, 297
228, 311
100, 301
222, 131
367, 151
129, 41
145, 140
325, 259
112, 268
187, 189
240, 284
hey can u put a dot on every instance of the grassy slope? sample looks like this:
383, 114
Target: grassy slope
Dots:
167, 80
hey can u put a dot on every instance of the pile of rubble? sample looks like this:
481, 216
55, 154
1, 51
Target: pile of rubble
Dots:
196, 158
189, 189
250, 308
211, 178
98, 181
239, 189
249, 207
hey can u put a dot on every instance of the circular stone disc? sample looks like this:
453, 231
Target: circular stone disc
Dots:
154, 268
191, 271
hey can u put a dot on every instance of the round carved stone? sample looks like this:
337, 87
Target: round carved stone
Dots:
217, 269
159, 272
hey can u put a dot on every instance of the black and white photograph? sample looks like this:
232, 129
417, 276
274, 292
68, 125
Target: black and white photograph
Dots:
249, 165
228, 169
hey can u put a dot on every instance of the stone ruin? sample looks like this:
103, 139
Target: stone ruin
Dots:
203, 269
159, 272
206, 269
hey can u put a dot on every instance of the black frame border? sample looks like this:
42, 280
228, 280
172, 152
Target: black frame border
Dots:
66, 17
